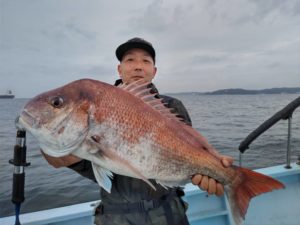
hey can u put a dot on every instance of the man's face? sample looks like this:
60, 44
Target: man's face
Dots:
136, 64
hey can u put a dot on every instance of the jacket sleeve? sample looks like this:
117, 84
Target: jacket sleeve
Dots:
178, 108
84, 168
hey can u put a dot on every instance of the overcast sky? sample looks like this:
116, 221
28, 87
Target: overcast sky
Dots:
201, 45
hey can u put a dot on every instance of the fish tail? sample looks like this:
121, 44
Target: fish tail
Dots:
248, 185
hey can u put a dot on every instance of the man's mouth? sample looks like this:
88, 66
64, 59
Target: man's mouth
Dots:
137, 77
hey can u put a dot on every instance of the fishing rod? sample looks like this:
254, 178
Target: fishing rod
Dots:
19, 162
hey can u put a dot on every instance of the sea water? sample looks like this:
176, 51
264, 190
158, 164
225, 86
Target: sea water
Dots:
225, 120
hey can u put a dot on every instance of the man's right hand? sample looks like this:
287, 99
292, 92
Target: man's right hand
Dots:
63, 161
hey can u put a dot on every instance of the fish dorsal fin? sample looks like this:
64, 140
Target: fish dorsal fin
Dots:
140, 89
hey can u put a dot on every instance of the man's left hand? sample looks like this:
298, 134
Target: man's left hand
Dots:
209, 184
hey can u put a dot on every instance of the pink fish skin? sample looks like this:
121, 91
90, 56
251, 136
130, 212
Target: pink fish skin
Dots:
126, 130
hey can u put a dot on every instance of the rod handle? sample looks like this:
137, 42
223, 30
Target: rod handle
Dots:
18, 188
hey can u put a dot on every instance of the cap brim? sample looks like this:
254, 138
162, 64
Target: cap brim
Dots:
122, 49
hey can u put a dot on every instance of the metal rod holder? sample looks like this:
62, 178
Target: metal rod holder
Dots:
240, 159
288, 151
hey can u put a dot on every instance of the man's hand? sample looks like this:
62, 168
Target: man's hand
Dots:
209, 184
61, 161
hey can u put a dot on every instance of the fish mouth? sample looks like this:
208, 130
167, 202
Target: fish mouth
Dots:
26, 120
19, 125
29, 122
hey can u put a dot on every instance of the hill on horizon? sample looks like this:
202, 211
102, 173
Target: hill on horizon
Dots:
241, 91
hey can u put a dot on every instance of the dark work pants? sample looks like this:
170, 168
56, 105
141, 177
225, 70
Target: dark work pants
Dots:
157, 216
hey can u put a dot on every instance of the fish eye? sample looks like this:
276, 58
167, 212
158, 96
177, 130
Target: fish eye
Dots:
57, 102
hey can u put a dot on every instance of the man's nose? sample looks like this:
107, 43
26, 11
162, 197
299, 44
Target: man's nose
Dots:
138, 66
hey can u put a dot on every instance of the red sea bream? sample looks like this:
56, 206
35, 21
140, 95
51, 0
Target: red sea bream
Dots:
126, 130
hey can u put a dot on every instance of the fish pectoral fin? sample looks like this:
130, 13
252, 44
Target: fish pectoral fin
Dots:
132, 169
106, 152
102, 176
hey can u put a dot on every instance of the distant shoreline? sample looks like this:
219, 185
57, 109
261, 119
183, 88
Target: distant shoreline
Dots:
240, 91
231, 91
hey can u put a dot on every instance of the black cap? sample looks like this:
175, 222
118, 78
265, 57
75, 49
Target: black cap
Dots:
135, 43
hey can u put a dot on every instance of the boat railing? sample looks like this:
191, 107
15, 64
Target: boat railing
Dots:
284, 114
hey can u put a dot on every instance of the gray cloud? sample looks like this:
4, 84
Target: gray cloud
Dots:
208, 59
99, 70
251, 11
160, 18
264, 8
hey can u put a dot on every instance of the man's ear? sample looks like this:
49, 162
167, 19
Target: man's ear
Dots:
120, 71
155, 70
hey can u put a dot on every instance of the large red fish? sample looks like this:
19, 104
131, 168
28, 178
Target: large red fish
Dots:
126, 130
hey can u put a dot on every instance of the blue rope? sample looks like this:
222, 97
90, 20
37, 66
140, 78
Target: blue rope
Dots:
17, 210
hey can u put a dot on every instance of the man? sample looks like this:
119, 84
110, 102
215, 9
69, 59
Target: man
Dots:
131, 200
